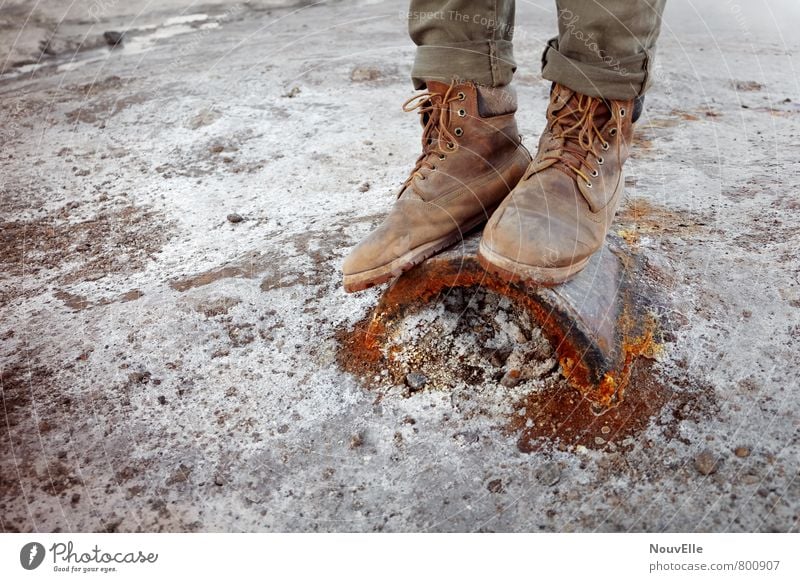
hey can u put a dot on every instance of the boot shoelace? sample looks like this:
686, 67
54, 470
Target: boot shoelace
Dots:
572, 157
436, 129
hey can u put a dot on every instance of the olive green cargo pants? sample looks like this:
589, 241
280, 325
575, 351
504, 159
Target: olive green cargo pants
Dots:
604, 48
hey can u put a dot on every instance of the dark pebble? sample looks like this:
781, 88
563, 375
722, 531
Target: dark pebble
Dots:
113, 37
139, 377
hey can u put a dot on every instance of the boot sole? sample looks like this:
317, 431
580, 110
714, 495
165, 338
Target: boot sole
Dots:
514, 272
378, 275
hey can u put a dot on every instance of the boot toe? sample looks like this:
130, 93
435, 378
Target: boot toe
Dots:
503, 234
534, 238
377, 250
519, 235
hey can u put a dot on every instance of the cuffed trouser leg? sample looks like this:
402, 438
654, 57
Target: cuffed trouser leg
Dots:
604, 48
468, 40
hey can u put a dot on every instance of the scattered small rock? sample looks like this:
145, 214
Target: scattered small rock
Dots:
747, 86
467, 437
496, 486
742, 452
548, 474
139, 377
360, 74
218, 480
234, 218
511, 378
113, 37
416, 381
705, 462
293, 92
364, 187
356, 440
162, 400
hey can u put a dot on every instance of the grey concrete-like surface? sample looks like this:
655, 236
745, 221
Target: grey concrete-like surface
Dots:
168, 367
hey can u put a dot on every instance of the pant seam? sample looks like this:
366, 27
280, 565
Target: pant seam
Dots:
493, 46
646, 69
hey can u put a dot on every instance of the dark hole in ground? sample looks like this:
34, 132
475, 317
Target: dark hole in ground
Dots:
472, 337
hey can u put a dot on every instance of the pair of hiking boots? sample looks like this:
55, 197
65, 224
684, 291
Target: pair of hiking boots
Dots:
546, 216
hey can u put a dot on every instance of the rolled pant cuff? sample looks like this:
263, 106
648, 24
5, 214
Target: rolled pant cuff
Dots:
485, 62
608, 78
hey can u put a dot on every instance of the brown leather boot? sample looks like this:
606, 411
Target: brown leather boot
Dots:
560, 212
471, 159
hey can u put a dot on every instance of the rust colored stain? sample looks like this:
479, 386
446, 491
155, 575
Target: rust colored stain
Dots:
642, 218
227, 272
566, 417
360, 348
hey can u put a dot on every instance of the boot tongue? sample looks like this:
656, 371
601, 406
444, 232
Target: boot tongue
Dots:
601, 116
439, 89
572, 111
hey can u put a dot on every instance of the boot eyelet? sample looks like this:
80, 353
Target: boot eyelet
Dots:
461, 96
622, 112
458, 131
442, 157
613, 131
605, 146
588, 184
595, 173
451, 146
601, 160
462, 112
